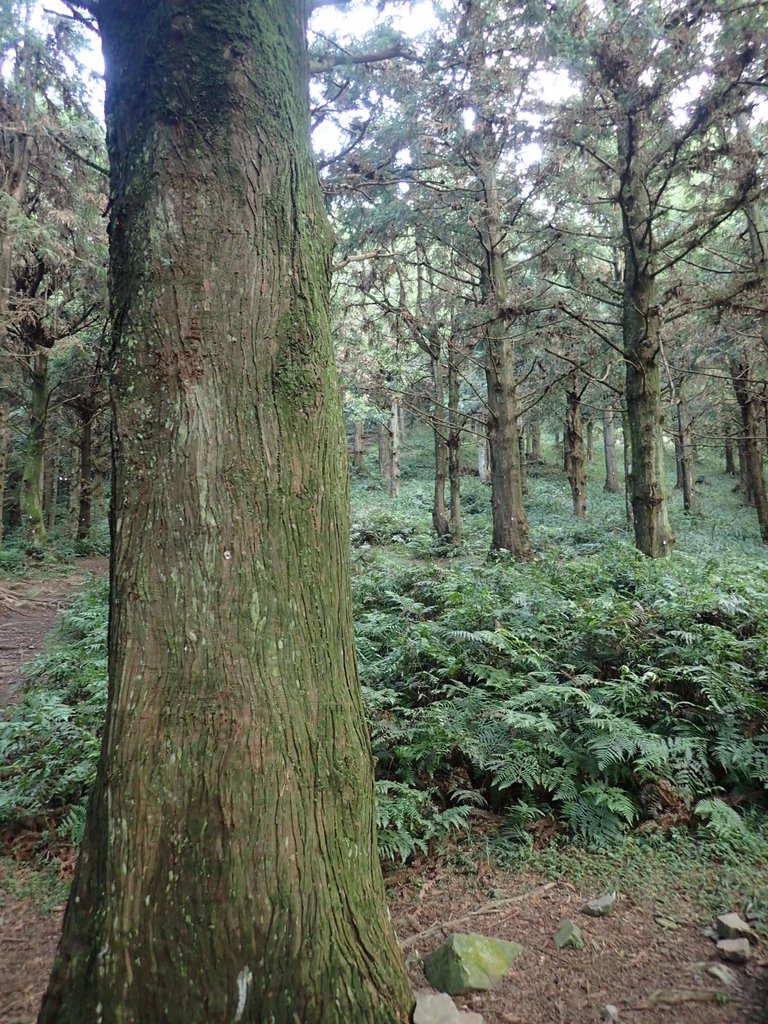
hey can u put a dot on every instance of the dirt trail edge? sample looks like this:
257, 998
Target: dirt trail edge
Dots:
28, 610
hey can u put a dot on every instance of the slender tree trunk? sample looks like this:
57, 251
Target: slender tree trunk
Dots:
627, 436
510, 523
483, 461
357, 446
746, 396
440, 522
394, 449
229, 870
86, 476
32, 478
590, 428
385, 453
678, 442
51, 488
685, 434
534, 431
611, 485
454, 449
5, 438
641, 327
523, 460
730, 465
575, 444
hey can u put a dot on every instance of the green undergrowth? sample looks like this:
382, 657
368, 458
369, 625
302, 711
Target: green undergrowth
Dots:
580, 699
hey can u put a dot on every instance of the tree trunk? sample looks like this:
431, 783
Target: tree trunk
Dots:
86, 475
611, 485
685, 435
385, 455
32, 477
229, 870
440, 522
730, 465
357, 446
746, 396
454, 449
640, 328
394, 449
51, 489
534, 431
5, 438
523, 460
510, 524
483, 461
627, 436
590, 426
575, 444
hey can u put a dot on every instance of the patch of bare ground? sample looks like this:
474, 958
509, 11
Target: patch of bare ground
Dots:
28, 610
653, 976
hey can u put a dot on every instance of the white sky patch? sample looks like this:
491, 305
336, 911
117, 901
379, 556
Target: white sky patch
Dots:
554, 86
468, 118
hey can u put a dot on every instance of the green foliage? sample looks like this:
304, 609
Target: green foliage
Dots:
49, 743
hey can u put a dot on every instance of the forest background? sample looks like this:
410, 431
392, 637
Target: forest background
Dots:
550, 311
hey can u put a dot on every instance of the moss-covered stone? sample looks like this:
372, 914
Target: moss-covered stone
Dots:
469, 961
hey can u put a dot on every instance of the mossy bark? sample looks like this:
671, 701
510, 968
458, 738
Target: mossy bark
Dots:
5, 437
229, 871
748, 397
32, 477
574, 439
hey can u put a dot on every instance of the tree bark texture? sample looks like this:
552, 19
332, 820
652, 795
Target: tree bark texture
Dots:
510, 523
32, 477
749, 403
394, 433
685, 435
642, 349
229, 871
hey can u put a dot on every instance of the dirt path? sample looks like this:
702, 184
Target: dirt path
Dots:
28, 610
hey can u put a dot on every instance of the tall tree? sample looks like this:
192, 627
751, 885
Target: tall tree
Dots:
229, 867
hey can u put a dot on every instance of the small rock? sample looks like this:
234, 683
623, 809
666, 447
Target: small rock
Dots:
466, 962
609, 1014
735, 950
435, 1008
666, 922
731, 926
710, 933
569, 936
725, 974
601, 907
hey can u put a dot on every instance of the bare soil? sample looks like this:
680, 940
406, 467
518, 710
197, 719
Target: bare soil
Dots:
28, 610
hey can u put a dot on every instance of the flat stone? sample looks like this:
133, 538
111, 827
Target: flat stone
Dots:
600, 907
725, 974
569, 936
469, 961
735, 950
435, 1008
731, 926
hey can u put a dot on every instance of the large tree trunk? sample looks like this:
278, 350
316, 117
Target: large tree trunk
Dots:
575, 444
32, 477
627, 436
747, 397
229, 870
611, 485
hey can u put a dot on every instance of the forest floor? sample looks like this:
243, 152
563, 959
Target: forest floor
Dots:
650, 958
